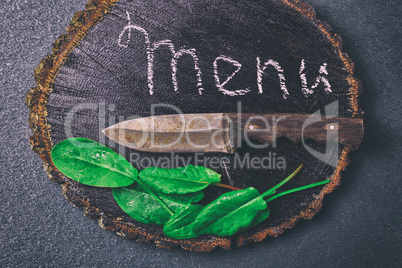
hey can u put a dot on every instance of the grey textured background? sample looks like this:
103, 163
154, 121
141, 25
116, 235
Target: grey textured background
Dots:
359, 225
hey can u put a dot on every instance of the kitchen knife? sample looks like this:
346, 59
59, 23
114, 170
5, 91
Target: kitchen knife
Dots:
224, 132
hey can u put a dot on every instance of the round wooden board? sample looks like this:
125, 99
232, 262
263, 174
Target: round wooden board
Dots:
99, 74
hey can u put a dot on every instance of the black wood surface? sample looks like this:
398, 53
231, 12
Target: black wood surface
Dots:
107, 74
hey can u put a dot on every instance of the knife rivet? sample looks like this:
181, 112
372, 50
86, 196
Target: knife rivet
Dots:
332, 127
251, 127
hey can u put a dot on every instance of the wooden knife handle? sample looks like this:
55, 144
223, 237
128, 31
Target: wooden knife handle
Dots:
266, 128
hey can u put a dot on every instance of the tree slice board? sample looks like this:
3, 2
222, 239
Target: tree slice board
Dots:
120, 58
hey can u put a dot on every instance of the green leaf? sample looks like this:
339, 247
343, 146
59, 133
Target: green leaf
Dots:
180, 226
182, 180
143, 207
92, 163
229, 213
261, 216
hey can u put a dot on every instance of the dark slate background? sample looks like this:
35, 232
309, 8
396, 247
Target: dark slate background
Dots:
359, 225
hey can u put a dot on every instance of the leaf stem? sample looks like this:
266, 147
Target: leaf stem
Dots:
296, 190
272, 190
227, 186
143, 185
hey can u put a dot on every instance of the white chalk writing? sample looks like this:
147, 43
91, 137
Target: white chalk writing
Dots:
151, 55
220, 85
321, 78
177, 55
126, 34
260, 72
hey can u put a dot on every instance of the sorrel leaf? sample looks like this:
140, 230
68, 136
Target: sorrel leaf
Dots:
92, 163
180, 226
182, 180
230, 212
261, 216
240, 210
143, 207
